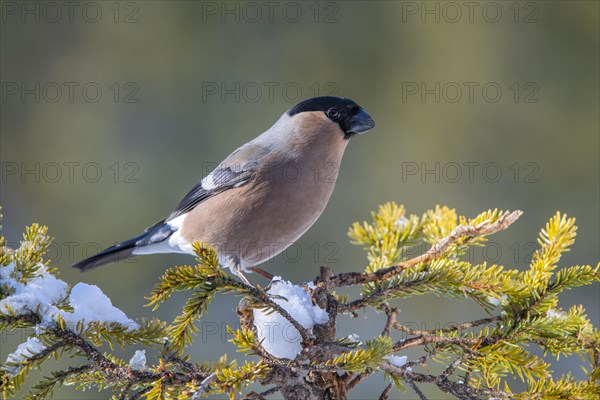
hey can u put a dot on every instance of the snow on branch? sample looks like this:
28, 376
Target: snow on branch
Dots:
289, 332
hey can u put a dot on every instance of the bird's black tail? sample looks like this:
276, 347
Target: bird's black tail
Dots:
154, 234
118, 252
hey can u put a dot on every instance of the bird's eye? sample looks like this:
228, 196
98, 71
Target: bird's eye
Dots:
333, 113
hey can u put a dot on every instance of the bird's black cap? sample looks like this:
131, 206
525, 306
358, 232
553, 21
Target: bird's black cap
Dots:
322, 103
351, 118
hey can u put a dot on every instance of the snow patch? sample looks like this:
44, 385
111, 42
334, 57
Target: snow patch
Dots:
552, 313
42, 291
91, 304
401, 223
138, 361
353, 337
279, 337
497, 301
397, 361
25, 350
6, 271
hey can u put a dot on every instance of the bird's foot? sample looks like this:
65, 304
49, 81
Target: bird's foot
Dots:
243, 277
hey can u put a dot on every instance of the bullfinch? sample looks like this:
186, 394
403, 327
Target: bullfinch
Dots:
263, 197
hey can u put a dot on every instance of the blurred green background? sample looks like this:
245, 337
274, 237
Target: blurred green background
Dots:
112, 111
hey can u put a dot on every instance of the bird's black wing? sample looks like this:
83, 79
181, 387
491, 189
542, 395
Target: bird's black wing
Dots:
235, 171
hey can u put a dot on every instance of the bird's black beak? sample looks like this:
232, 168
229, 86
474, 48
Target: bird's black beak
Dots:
359, 123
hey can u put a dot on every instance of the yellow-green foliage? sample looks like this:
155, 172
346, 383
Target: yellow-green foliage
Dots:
231, 379
523, 306
205, 279
244, 340
28, 262
528, 300
369, 356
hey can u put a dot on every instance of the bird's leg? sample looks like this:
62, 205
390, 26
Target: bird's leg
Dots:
243, 277
236, 267
261, 272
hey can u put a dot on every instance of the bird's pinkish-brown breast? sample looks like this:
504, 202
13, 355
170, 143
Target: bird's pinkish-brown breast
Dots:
256, 222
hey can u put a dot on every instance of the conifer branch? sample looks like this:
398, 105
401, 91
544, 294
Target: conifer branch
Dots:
475, 356
460, 232
460, 390
452, 328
